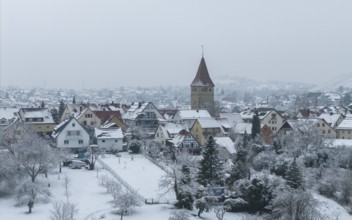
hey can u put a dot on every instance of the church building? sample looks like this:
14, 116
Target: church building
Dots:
202, 89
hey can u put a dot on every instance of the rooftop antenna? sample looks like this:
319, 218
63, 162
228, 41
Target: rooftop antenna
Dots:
202, 51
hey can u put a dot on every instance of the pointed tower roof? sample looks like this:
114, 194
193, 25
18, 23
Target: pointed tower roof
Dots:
202, 78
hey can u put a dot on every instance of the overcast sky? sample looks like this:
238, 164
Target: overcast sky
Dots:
113, 43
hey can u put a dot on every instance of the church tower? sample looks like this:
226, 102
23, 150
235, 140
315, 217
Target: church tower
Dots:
202, 89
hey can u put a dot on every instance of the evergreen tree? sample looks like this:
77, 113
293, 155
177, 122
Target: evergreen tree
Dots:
55, 115
210, 170
255, 125
61, 108
74, 100
240, 167
346, 99
293, 176
42, 105
184, 193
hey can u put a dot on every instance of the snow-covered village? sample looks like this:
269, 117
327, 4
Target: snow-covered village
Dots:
175, 111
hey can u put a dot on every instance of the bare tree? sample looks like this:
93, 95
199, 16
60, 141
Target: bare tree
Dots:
66, 184
125, 201
32, 154
295, 205
94, 154
63, 211
31, 192
219, 212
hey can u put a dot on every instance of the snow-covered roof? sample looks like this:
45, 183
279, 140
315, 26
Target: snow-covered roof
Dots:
232, 117
137, 109
172, 128
108, 133
8, 113
227, 143
177, 140
225, 123
243, 128
249, 114
331, 119
43, 113
338, 142
346, 124
192, 114
209, 123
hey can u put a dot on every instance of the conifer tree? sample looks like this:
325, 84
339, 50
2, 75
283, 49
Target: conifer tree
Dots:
184, 193
293, 176
74, 100
61, 108
42, 105
240, 167
255, 125
210, 170
55, 115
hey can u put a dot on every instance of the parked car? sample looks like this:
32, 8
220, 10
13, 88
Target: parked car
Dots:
77, 164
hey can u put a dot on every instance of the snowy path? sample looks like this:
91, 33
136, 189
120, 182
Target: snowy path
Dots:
140, 174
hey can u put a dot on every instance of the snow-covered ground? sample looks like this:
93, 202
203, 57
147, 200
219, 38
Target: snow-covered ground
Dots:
141, 174
330, 209
93, 201
84, 189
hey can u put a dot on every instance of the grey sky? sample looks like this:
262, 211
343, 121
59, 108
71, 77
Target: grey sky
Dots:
111, 43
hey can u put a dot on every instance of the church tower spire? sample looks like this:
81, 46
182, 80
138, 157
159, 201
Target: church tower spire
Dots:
202, 88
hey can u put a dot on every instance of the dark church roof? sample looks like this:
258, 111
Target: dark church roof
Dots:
202, 78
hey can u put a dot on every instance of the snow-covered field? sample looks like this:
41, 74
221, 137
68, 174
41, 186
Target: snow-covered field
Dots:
93, 201
141, 174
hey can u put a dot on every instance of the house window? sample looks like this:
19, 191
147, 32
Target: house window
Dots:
92, 123
66, 142
80, 141
323, 125
103, 141
157, 134
69, 133
318, 125
329, 131
115, 140
323, 131
73, 124
88, 115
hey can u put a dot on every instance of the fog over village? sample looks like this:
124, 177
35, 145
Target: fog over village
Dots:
175, 111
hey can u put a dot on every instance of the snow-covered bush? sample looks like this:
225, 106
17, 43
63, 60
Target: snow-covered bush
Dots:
236, 205
263, 160
135, 146
179, 215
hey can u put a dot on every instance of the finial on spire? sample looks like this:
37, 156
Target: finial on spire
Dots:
202, 51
